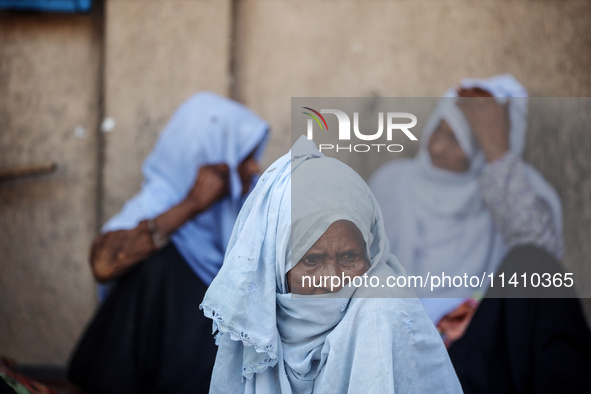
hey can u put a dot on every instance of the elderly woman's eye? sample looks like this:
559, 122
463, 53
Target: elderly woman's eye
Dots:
311, 260
348, 258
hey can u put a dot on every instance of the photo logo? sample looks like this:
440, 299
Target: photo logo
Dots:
315, 118
393, 125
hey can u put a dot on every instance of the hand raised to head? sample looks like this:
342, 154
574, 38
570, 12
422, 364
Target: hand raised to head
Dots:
212, 184
488, 120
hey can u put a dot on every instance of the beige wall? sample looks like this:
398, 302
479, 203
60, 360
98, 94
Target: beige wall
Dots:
404, 48
157, 53
48, 87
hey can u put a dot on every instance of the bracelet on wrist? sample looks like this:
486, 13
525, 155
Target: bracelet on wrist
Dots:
158, 239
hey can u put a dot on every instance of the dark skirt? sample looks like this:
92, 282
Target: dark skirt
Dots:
525, 345
149, 336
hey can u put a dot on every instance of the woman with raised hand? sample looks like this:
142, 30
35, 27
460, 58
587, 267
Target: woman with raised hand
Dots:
468, 204
159, 254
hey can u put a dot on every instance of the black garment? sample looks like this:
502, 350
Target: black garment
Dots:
149, 336
525, 345
5, 388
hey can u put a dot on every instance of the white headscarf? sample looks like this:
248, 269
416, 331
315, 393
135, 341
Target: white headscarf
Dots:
206, 129
436, 219
270, 341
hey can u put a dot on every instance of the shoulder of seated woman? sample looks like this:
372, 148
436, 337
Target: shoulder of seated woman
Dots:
392, 169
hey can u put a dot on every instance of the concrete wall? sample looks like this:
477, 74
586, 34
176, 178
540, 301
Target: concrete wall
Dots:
157, 53
48, 87
404, 48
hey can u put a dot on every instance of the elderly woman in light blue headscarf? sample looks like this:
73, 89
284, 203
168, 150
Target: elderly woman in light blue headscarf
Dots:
164, 248
312, 217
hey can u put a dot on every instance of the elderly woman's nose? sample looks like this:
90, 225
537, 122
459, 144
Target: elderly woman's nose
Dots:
331, 268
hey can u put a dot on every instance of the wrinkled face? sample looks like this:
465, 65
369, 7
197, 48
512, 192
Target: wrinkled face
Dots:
445, 150
339, 252
247, 170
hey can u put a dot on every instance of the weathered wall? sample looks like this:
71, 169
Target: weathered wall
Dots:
48, 87
157, 53
559, 145
404, 48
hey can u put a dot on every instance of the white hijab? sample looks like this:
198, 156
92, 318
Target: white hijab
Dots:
270, 341
436, 219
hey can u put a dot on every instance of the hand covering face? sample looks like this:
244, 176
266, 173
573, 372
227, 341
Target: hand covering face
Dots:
206, 129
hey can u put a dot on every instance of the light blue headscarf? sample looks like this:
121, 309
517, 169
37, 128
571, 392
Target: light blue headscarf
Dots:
356, 340
438, 221
206, 129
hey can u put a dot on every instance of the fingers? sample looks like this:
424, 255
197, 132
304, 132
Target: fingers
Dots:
456, 316
212, 184
473, 92
474, 99
472, 104
222, 170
